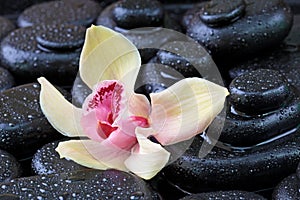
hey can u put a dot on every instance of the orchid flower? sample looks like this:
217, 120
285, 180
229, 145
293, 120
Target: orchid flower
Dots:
121, 129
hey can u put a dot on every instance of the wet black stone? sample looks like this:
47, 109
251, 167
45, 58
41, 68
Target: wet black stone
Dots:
225, 195
6, 79
130, 14
77, 12
6, 26
85, 184
47, 161
287, 189
23, 127
147, 9
22, 54
265, 24
63, 37
9, 167
181, 57
259, 91
262, 106
254, 169
79, 92
215, 13
285, 59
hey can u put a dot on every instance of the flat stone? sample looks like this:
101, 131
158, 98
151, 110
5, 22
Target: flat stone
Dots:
287, 189
259, 91
225, 195
26, 59
264, 25
9, 167
6, 79
85, 184
132, 14
223, 168
222, 12
77, 12
47, 161
148, 14
181, 57
23, 126
61, 37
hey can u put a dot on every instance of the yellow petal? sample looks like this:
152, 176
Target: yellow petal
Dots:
75, 150
185, 109
108, 55
61, 114
147, 158
103, 152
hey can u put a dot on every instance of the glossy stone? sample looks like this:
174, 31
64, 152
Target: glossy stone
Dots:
65, 37
284, 59
31, 52
84, 184
77, 12
6, 79
6, 26
225, 195
216, 14
287, 189
224, 168
9, 167
133, 14
47, 161
124, 15
259, 91
181, 57
23, 127
265, 24
262, 106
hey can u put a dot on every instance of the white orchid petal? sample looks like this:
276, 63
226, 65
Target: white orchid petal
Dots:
185, 109
61, 114
108, 55
76, 150
147, 158
107, 153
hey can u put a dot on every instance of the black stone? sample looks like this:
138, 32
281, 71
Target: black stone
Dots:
63, 37
223, 168
147, 9
287, 189
225, 195
9, 167
84, 184
130, 14
6, 26
6, 79
47, 161
23, 127
77, 12
24, 56
181, 57
264, 25
262, 106
285, 59
216, 14
259, 91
